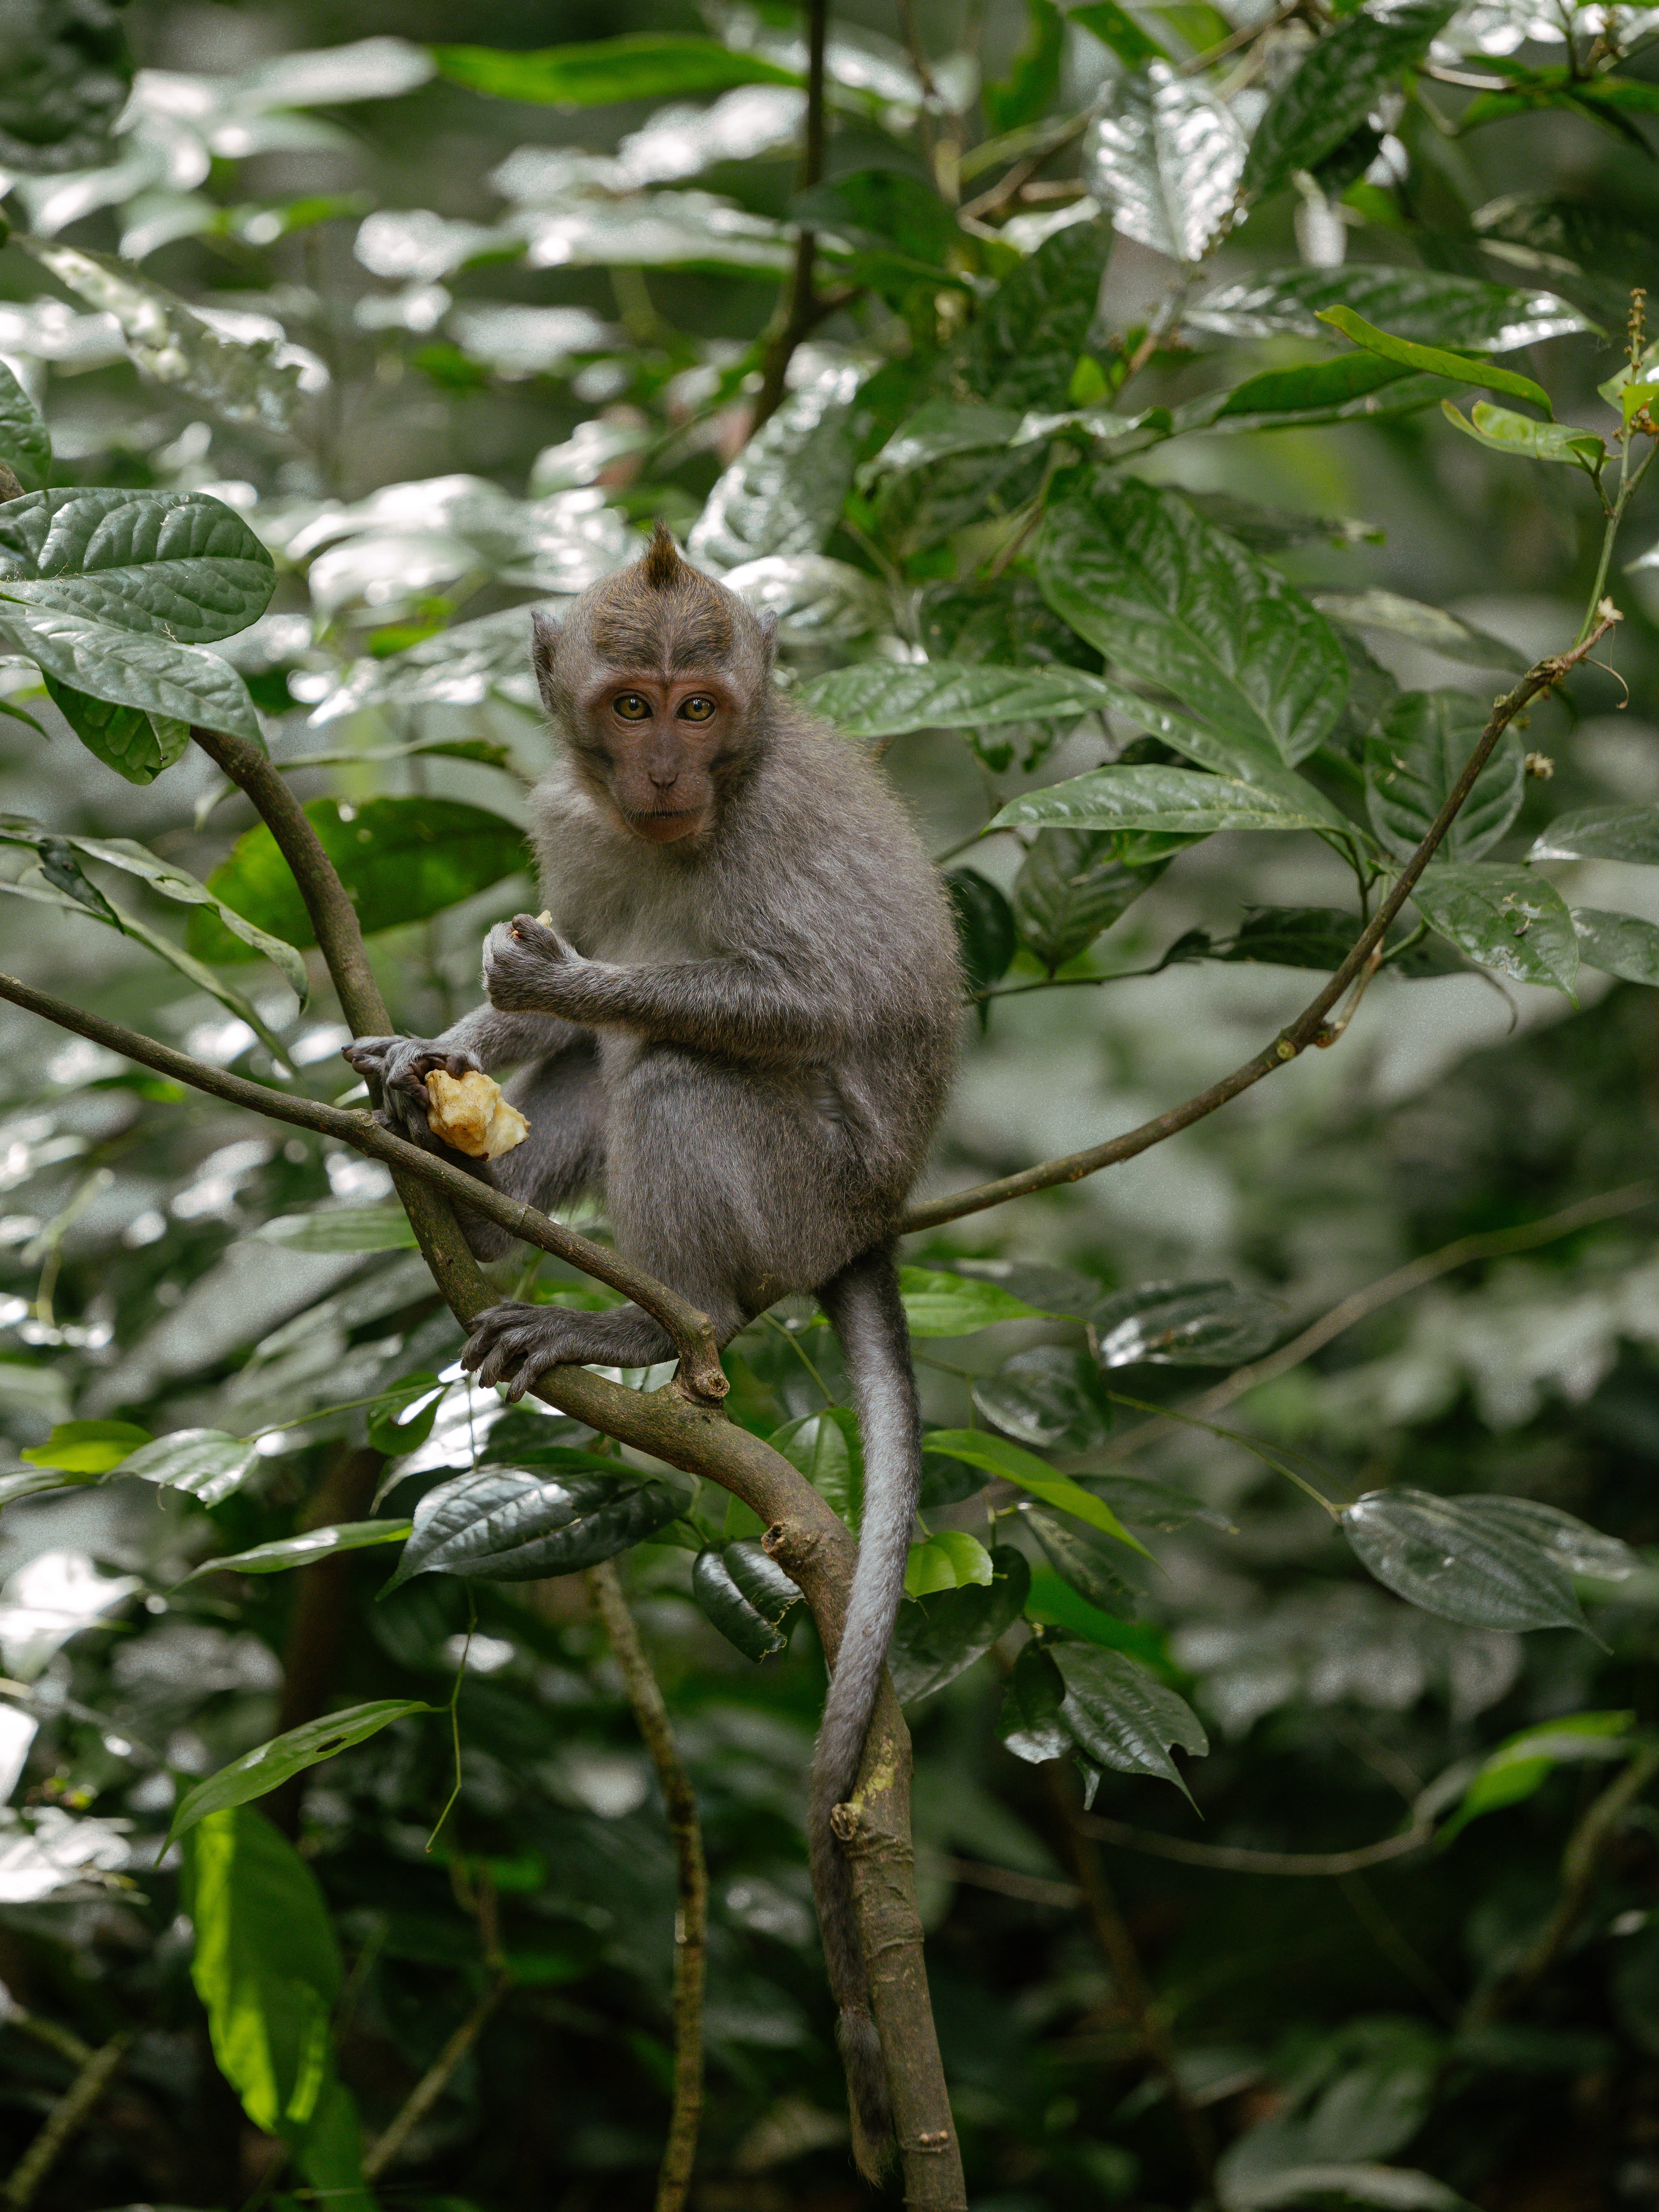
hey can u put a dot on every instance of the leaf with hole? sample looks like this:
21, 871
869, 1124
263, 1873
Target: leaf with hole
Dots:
268, 1766
1007, 1463
1122, 1717
936, 1304
1413, 762
1184, 799
1508, 919
746, 1595
206, 1464
939, 1636
1177, 603
1048, 1398
1164, 156
516, 1524
1601, 832
1338, 81
1430, 305
88, 1447
1621, 945
826, 1448
1206, 1324
286, 1552
1458, 1558
169, 684
1072, 885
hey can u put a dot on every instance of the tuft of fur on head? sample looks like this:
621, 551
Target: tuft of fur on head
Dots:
662, 564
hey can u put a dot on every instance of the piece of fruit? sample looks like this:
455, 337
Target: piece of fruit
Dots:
469, 1113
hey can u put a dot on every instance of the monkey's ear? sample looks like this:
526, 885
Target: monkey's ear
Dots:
769, 630
544, 642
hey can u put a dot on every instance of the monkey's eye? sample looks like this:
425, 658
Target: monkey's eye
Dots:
698, 708
632, 706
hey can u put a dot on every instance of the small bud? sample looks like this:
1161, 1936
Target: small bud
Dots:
1540, 767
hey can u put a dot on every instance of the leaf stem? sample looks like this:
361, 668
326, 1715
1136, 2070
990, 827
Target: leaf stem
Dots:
455, 1724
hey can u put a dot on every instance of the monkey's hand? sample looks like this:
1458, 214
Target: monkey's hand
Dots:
528, 969
512, 1343
402, 1064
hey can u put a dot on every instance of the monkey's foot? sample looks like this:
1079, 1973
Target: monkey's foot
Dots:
512, 1343
402, 1065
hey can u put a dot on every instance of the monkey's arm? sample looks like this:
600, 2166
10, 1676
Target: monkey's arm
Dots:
743, 1009
487, 1038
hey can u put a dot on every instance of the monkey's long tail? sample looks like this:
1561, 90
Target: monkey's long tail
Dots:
864, 1309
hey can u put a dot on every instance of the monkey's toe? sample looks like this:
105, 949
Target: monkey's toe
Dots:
511, 1344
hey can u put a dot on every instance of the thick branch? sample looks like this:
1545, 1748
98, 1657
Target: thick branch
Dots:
1310, 1026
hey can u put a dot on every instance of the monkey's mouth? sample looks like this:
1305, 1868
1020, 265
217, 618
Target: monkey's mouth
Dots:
663, 825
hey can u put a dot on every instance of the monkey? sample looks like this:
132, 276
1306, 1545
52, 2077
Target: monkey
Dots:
739, 1024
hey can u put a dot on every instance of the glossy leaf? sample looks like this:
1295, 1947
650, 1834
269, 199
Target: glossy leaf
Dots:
826, 1449
1073, 885
888, 698
179, 565
1430, 305
638, 65
286, 1552
1433, 361
1601, 832
1337, 84
783, 493
171, 684
1008, 1463
1582, 1550
1024, 344
25, 447
1456, 1558
1094, 1568
1506, 432
1164, 156
941, 429
1524, 1762
400, 1419
1207, 1324
986, 931
1434, 627
268, 1766
1183, 799
206, 1464
1508, 919
1123, 1718
939, 1636
88, 1447
400, 861
936, 1304
950, 1560
341, 1229
1155, 1506
511, 1524
1414, 761
1029, 1724
1179, 604
1619, 944
745, 1595
1317, 937
1048, 1398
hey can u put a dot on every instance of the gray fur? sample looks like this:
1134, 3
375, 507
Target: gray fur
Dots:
744, 1037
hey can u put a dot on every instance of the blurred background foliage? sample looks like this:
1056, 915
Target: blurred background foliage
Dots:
470, 342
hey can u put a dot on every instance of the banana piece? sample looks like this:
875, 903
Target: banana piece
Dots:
469, 1113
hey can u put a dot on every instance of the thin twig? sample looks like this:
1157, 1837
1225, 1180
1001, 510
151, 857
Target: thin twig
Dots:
1309, 1025
1238, 1858
72, 2109
432, 2083
691, 1880
799, 312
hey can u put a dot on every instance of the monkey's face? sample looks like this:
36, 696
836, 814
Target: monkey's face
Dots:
654, 744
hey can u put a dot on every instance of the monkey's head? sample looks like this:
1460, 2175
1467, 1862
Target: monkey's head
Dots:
657, 680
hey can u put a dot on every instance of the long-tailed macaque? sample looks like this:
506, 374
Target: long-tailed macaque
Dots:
741, 1027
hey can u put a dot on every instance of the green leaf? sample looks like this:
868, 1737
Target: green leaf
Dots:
1616, 943
1414, 761
1091, 1567
1180, 605
1164, 156
746, 1595
1048, 1397
400, 1419
513, 1524
1022, 346
939, 431
1507, 919
1008, 1463
1601, 832
1028, 91
1319, 390
952, 1560
206, 1464
173, 684
137, 745
955, 1305
1434, 360
1154, 1504
939, 1636
1506, 432
341, 1229
1457, 1558
639, 65
1441, 632
276, 1557
826, 1449
986, 933
268, 1766
25, 447
783, 493
1030, 1724
88, 1447
1338, 82
1520, 1765
1320, 937
179, 565
1073, 885
1115, 27
400, 861
68, 76
884, 206
1465, 313
1208, 1324
1120, 1716
888, 698
1176, 798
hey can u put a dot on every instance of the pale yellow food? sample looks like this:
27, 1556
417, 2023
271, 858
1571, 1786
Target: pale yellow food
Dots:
469, 1113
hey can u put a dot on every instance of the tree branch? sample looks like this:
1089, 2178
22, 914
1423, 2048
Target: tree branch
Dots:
71, 2110
1237, 1858
432, 2083
1310, 1026
691, 1880
800, 308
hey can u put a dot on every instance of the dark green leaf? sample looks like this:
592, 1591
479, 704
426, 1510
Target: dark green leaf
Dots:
1456, 1558
1122, 1717
88, 1447
1207, 1324
25, 447
826, 1449
1338, 82
1164, 156
1050, 1290
136, 745
1602, 833
511, 1524
1177, 798
985, 928
1020, 349
1317, 937
1154, 1504
783, 493
939, 431
1277, 529
938, 1636
746, 1595
65, 74
1617, 944
883, 207
1048, 1398
400, 1419
172, 684
955, 1305
1093, 1567
1428, 303
61, 869
1412, 762
1115, 27
179, 565
1073, 885
400, 861
1009, 1463
639, 65
1506, 432
1508, 919
276, 1557
1028, 91
1318, 389
1030, 1724
204, 1463
1183, 605
268, 1766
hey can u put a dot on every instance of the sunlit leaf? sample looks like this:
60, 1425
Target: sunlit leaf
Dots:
1008, 1463
287, 1552
1509, 919
1177, 798
513, 1524
1601, 832
1457, 1558
784, 491
1506, 432
954, 1305
204, 1463
639, 66
266, 1767
1208, 1324
950, 1560
1430, 305
1164, 156
1123, 1718
88, 1447
1619, 944
181, 565
1413, 762
939, 1635
1338, 81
